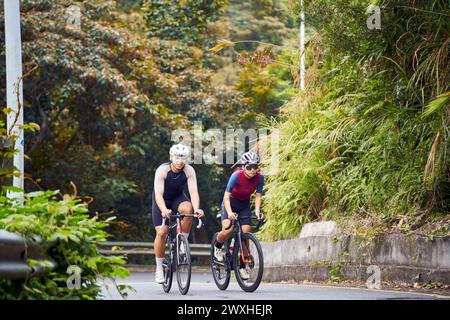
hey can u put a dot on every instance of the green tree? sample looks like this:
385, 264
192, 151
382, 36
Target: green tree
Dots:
181, 20
107, 99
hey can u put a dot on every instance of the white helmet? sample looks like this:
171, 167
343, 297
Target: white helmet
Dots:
249, 158
179, 150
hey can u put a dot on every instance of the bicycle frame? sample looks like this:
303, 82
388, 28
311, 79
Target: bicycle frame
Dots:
238, 236
240, 257
179, 217
178, 255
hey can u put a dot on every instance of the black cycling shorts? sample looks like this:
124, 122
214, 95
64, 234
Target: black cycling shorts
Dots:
242, 208
170, 204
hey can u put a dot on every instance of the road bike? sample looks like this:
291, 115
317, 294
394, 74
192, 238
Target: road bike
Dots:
177, 257
242, 251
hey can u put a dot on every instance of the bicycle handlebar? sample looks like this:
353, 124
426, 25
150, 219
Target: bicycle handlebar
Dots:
261, 221
178, 215
232, 222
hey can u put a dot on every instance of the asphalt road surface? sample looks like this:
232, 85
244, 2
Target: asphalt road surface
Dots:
203, 288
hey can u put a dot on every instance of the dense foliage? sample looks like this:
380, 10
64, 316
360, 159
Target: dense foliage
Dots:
73, 238
108, 94
181, 20
257, 27
69, 237
368, 143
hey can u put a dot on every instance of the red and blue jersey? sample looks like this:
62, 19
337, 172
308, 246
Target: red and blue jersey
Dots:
241, 187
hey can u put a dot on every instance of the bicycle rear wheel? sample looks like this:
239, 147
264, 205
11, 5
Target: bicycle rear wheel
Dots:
248, 256
168, 266
183, 263
220, 269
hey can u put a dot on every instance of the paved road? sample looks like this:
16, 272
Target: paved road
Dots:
203, 288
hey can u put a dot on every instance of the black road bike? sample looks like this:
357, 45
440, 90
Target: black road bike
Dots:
178, 256
243, 254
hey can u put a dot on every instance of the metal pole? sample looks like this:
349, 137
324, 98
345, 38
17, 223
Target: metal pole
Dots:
302, 47
14, 94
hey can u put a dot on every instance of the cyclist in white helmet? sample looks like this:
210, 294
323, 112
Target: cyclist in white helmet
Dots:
236, 200
171, 178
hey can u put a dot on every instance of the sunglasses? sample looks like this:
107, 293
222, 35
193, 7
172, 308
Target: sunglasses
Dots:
176, 158
251, 167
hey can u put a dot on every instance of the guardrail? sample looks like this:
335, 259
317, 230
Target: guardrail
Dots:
15, 251
146, 248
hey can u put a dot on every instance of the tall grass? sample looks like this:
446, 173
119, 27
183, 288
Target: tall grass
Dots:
369, 140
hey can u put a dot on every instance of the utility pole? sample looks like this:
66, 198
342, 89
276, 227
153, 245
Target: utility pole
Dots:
302, 47
14, 94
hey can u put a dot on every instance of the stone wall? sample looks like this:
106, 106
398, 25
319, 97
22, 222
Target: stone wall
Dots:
320, 252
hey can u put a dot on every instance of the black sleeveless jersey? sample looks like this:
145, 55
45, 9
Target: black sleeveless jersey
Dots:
174, 183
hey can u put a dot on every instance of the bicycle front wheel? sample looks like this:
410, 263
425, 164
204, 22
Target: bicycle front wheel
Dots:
248, 262
168, 266
183, 264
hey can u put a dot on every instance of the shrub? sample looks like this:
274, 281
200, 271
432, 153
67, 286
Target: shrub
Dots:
73, 237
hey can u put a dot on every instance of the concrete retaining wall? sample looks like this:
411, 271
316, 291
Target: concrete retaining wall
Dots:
321, 252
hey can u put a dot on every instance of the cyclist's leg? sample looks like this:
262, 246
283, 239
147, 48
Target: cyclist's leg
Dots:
245, 219
160, 240
224, 234
183, 205
161, 232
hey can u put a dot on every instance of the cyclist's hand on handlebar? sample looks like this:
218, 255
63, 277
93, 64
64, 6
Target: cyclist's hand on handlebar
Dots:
199, 212
232, 216
166, 213
259, 215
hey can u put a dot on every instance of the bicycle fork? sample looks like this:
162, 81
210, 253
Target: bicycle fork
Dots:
177, 242
243, 254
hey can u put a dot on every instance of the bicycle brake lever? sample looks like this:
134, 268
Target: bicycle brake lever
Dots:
260, 224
